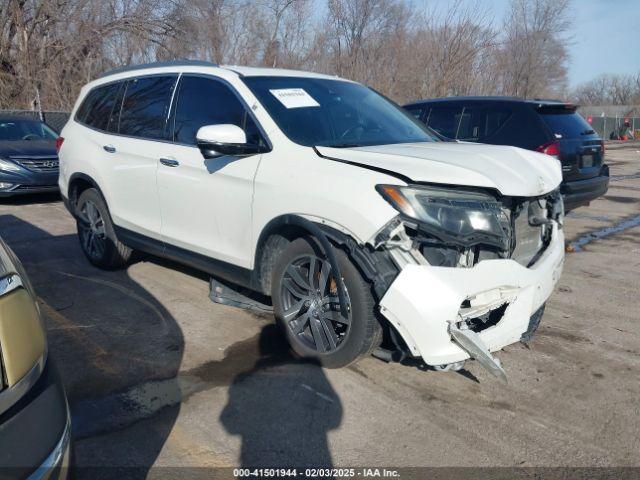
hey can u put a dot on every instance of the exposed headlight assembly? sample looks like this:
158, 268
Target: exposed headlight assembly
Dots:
458, 216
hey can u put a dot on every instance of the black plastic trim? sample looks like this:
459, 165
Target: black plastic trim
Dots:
320, 235
227, 271
375, 265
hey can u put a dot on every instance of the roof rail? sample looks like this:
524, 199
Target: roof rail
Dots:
171, 63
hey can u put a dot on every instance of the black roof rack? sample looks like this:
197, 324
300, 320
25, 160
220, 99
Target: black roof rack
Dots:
172, 63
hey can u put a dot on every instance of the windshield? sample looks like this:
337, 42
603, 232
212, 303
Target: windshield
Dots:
334, 113
25, 130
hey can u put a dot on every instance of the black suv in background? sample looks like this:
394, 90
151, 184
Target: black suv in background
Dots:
546, 126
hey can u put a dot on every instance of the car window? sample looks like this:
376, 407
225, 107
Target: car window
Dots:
415, 110
481, 122
11, 130
114, 118
203, 101
335, 113
445, 120
96, 108
145, 106
565, 124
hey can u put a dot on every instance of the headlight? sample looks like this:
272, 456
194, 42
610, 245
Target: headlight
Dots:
10, 268
466, 216
8, 166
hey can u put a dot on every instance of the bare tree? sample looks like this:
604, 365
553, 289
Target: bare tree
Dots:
395, 46
534, 55
455, 46
609, 90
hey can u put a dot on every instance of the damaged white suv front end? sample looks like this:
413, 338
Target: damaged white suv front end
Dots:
475, 271
478, 243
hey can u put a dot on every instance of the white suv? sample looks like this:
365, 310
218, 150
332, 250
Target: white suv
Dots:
326, 197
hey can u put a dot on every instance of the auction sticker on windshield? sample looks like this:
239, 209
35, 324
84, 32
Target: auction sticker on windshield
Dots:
294, 97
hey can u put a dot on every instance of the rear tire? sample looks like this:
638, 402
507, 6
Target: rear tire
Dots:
307, 308
97, 236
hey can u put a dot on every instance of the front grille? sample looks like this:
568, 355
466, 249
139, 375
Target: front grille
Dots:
27, 188
38, 163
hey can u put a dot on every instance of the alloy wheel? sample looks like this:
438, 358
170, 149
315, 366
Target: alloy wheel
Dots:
311, 307
92, 230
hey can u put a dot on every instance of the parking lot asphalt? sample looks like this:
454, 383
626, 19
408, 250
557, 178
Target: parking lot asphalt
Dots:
157, 374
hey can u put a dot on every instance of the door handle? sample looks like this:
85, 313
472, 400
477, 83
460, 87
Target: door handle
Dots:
109, 148
169, 162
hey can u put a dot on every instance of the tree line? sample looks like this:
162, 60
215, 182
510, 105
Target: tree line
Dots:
609, 90
406, 50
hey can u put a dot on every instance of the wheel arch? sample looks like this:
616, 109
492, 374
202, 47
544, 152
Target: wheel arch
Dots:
78, 183
375, 266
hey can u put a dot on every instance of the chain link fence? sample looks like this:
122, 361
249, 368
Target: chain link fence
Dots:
616, 128
55, 119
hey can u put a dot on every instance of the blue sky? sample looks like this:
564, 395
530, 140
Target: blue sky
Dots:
605, 35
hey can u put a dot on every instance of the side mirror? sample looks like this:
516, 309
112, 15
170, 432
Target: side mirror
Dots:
224, 139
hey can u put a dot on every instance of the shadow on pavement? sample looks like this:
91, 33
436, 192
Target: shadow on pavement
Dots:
30, 199
119, 352
282, 408
107, 335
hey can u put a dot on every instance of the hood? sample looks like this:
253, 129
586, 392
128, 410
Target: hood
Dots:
510, 170
27, 147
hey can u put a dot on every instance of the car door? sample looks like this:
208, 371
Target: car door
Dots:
206, 205
133, 153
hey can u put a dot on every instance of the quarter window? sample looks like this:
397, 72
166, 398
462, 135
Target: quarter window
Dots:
96, 108
203, 101
146, 106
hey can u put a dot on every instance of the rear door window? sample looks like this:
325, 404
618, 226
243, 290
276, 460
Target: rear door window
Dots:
482, 122
145, 106
565, 124
445, 120
97, 106
204, 101
416, 111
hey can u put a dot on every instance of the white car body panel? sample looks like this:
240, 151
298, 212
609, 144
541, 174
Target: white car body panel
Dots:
295, 180
130, 178
219, 207
206, 204
510, 170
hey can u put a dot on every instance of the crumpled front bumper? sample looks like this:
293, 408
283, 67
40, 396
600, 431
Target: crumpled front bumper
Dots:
423, 300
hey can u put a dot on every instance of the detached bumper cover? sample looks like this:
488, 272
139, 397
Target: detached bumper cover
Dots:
424, 300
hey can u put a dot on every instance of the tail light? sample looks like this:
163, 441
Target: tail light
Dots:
602, 148
59, 141
551, 148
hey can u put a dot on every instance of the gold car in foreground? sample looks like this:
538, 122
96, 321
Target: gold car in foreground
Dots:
35, 436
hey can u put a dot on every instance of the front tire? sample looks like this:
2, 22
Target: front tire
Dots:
96, 233
307, 307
